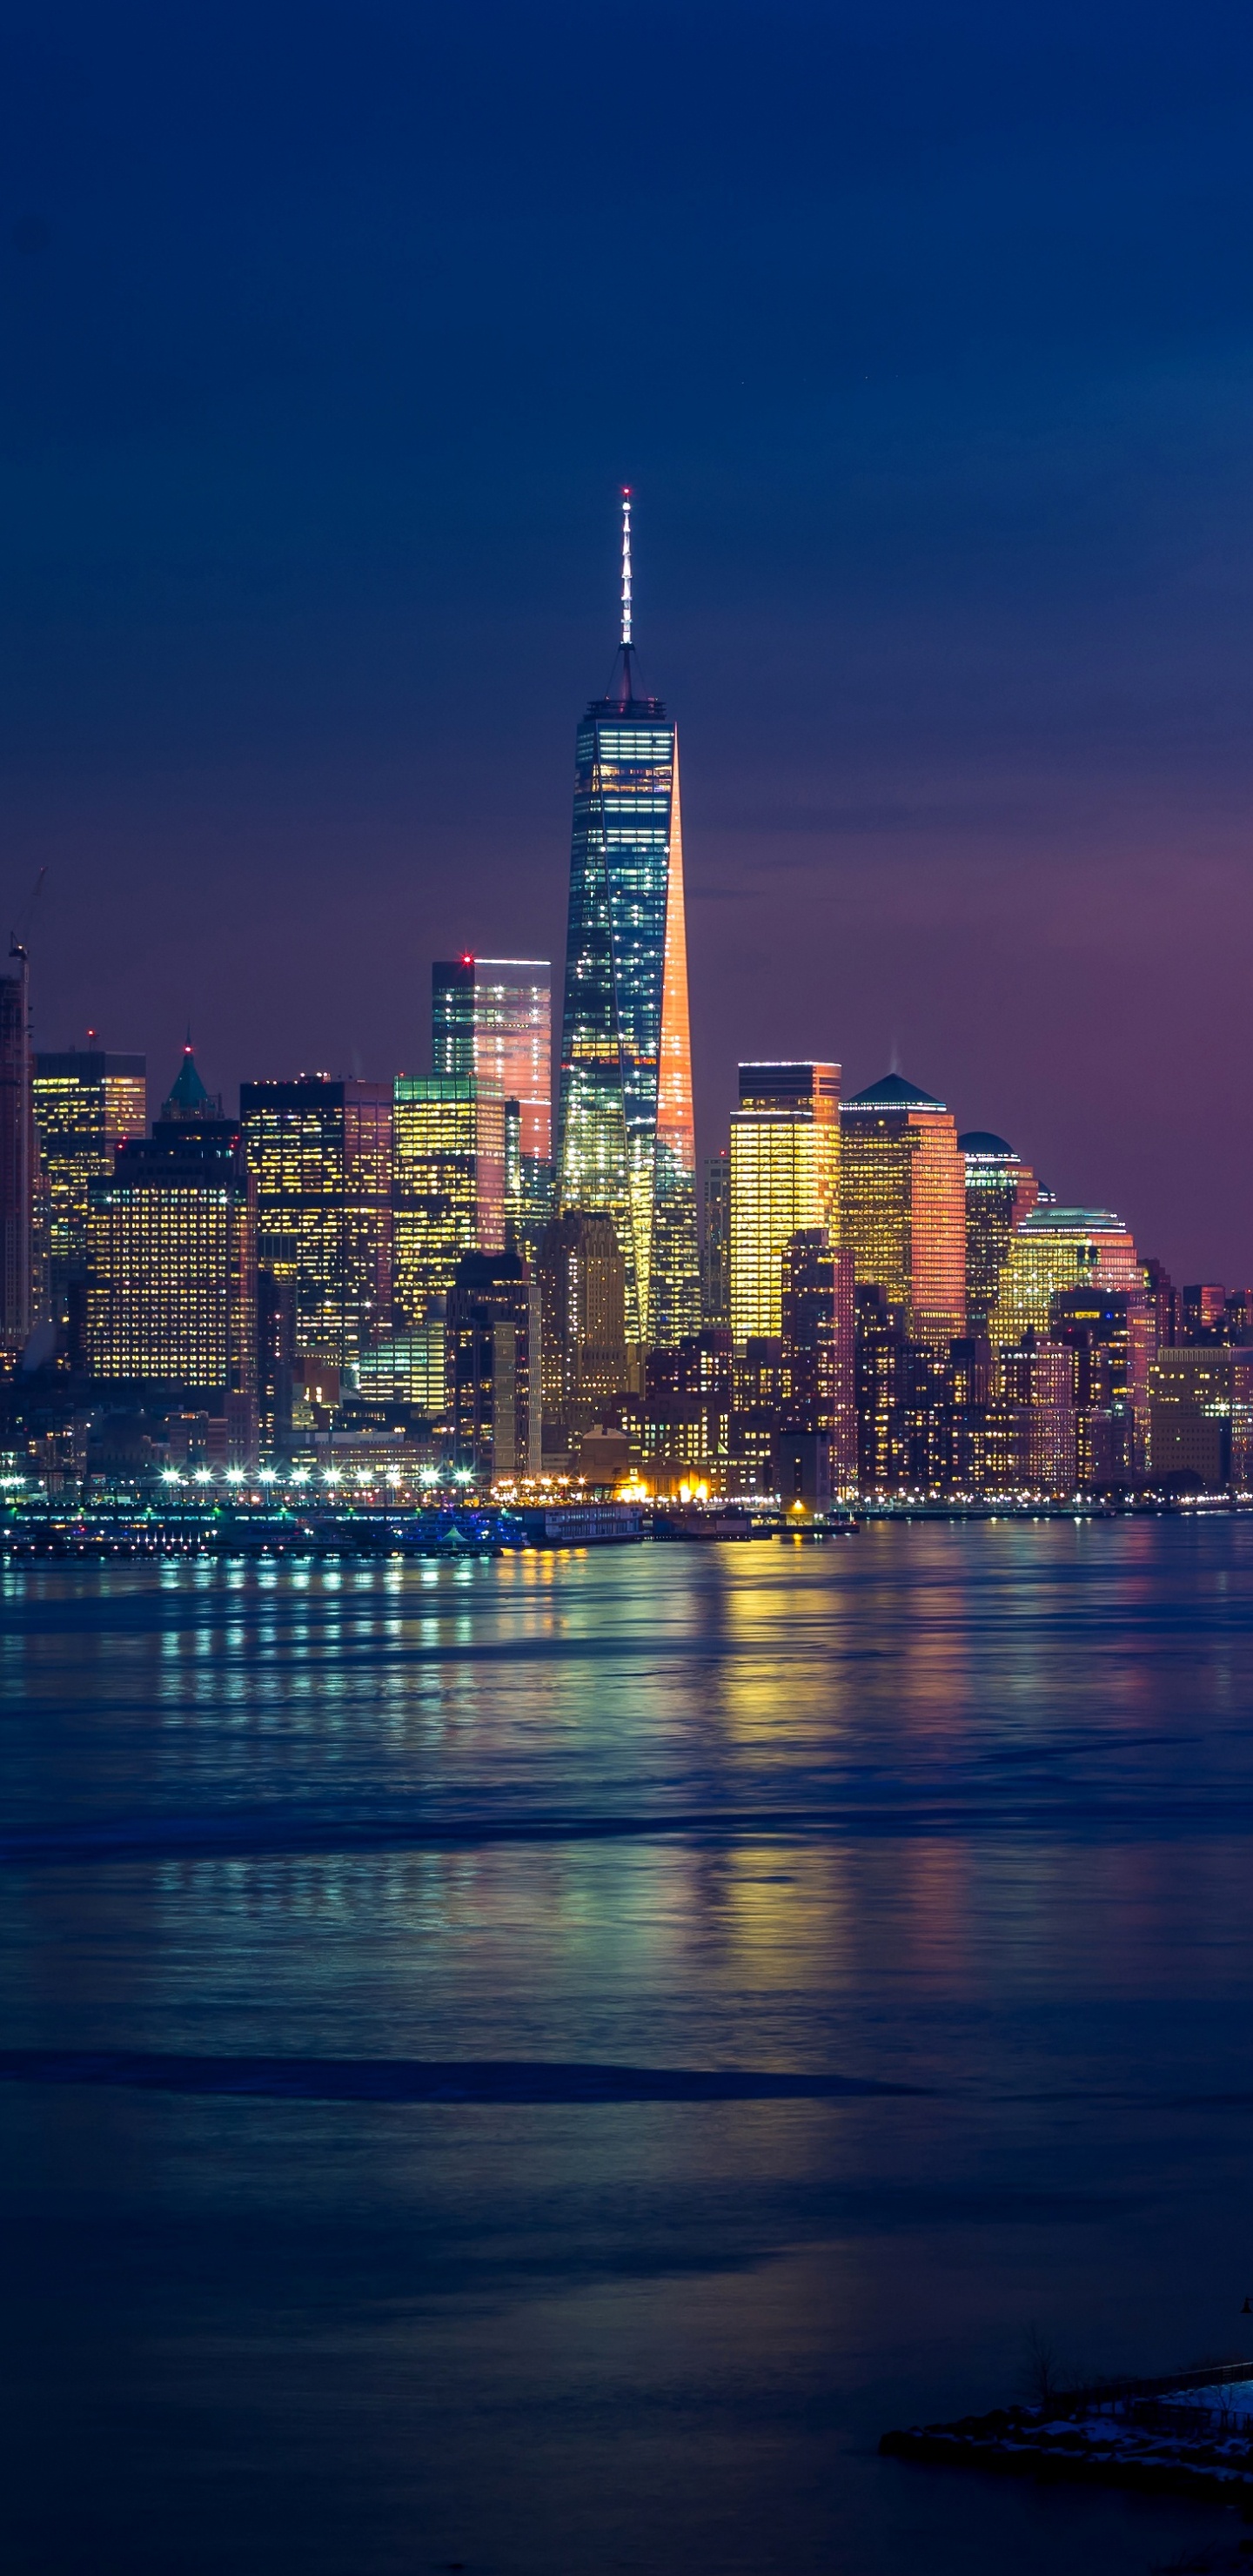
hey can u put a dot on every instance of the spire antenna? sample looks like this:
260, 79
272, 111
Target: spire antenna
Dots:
626, 564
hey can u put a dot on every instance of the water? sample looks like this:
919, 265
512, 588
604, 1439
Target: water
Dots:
962, 1812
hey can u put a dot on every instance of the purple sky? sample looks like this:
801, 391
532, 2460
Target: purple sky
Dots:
927, 343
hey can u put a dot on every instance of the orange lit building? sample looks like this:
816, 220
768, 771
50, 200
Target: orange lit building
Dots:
903, 1206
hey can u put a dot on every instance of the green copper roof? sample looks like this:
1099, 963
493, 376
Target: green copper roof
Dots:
188, 1091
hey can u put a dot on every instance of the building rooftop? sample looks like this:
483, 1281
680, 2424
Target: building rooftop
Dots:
894, 1093
980, 1140
1071, 1220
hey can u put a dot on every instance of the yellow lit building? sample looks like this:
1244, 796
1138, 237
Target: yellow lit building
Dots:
1056, 1248
87, 1102
320, 1152
449, 1148
171, 1283
903, 1206
784, 1180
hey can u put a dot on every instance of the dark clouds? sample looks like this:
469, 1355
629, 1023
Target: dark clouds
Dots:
925, 335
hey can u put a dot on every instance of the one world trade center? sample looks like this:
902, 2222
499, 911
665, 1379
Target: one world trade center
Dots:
626, 1142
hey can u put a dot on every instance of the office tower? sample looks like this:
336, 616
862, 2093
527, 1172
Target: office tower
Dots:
410, 1368
1111, 1338
87, 1102
903, 1202
17, 1158
493, 1397
171, 1271
583, 1308
449, 1149
1204, 1314
685, 1413
276, 1359
818, 1392
1037, 1381
320, 1152
715, 1254
1000, 1191
784, 1180
1054, 1248
491, 1018
1201, 1418
1167, 1304
880, 1360
626, 1143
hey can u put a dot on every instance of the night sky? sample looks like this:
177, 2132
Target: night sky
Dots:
925, 336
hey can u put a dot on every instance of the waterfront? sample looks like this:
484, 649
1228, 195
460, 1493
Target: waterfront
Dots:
957, 1810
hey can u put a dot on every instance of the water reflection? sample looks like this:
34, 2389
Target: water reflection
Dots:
963, 1809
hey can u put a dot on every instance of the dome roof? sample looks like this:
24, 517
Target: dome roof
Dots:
980, 1140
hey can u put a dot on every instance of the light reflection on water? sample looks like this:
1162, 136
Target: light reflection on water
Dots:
965, 1809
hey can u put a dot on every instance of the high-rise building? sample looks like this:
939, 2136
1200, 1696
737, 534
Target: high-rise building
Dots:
818, 1393
715, 1251
494, 1397
1000, 1191
321, 1155
87, 1102
171, 1271
626, 1142
882, 1356
491, 1018
903, 1206
1201, 1417
583, 1326
1205, 1314
17, 1157
450, 1183
1055, 1248
784, 1180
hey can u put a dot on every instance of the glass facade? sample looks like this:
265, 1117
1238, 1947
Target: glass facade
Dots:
715, 1255
449, 1145
1000, 1191
491, 1019
86, 1103
784, 1180
1060, 1248
321, 1156
903, 1187
627, 1143
171, 1250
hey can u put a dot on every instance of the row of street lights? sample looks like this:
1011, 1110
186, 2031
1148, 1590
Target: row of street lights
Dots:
297, 1479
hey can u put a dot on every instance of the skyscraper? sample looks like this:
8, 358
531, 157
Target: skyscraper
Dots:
903, 1201
715, 1251
17, 1139
818, 1375
1000, 1191
493, 1397
626, 1145
1056, 1248
321, 1154
583, 1314
785, 1180
87, 1102
491, 1019
171, 1266
450, 1183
